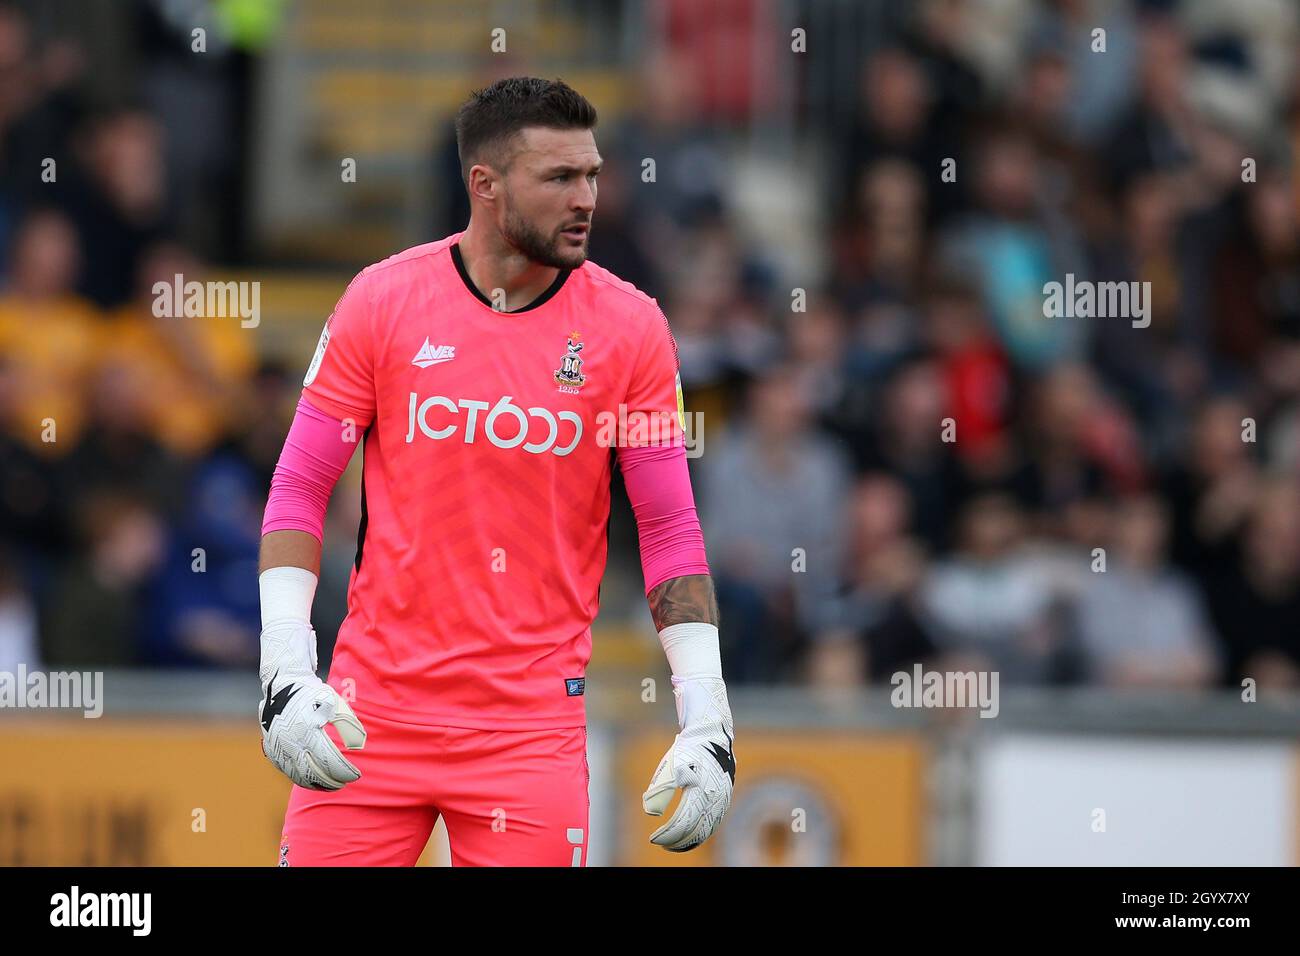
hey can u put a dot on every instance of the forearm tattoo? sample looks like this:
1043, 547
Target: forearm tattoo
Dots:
683, 600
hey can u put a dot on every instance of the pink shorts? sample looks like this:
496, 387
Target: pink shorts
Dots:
509, 798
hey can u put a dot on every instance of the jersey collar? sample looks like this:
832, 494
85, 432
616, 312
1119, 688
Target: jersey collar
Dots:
469, 284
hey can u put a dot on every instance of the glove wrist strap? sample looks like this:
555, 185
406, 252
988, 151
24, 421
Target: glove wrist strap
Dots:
692, 650
286, 594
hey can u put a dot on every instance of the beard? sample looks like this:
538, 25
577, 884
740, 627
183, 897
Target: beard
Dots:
530, 241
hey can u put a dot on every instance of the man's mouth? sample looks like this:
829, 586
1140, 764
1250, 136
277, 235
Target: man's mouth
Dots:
577, 232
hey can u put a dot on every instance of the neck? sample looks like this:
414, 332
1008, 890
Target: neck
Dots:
492, 263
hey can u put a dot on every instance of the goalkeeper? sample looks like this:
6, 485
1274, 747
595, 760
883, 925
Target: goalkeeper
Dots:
481, 374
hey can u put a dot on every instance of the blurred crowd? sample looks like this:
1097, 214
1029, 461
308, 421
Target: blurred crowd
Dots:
923, 466
135, 449
910, 462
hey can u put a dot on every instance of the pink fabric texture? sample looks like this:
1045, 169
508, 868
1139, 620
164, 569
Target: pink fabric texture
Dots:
659, 487
315, 454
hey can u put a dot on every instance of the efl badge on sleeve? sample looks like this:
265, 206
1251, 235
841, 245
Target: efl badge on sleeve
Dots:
319, 357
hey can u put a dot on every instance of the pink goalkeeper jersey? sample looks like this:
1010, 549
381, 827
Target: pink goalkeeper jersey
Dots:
485, 502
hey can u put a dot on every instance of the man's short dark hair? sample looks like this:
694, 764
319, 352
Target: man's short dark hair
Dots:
492, 117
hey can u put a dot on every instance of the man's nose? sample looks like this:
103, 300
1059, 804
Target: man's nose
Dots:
584, 197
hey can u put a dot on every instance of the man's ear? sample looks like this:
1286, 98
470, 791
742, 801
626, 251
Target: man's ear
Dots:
484, 183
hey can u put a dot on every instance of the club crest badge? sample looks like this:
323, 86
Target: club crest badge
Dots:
569, 375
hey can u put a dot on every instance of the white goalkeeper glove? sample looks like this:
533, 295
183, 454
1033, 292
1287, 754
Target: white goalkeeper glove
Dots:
701, 762
296, 704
